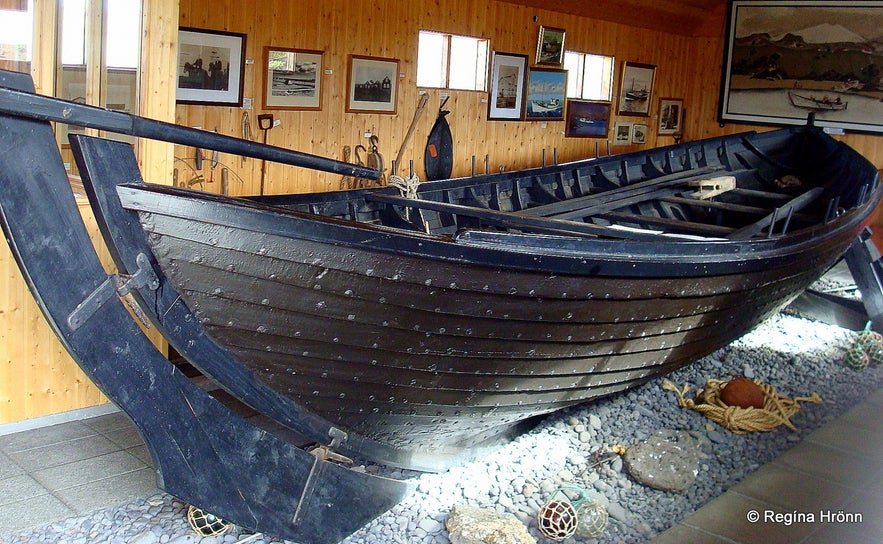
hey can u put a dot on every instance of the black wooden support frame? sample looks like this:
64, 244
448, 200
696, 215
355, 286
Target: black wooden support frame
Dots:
202, 452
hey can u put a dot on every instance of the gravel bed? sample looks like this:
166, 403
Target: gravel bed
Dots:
795, 355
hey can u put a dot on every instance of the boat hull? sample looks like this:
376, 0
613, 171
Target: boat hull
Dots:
441, 349
416, 331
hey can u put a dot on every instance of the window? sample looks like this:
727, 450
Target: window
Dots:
436, 69
590, 77
16, 29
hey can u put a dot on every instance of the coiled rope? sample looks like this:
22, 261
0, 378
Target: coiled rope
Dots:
777, 408
407, 188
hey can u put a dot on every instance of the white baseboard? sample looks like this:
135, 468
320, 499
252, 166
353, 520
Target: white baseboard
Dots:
55, 419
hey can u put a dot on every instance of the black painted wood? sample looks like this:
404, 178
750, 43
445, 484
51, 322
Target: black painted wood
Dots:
203, 453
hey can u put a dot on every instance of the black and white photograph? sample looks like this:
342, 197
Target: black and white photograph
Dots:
671, 111
373, 82
210, 67
636, 88
293, 79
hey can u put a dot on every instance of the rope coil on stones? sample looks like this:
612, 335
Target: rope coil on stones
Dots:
777, 408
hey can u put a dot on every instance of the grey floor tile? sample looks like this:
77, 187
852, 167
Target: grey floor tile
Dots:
142, 454
860, 441
19, 488
31, 512
868, 529
682, 534
8, 467
125, 438
789, 489
109, 491
876, 398
864, 416
727, 516
64, 452
88, 470
109, 422
44, 436
828, 464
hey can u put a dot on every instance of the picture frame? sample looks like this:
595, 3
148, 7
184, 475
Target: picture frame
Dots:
210, 67
372, 84
507, 78
587, 119
292, 79
550, 46
636, 88
622, 133
639, 133
784, 60
545, 94
671, 114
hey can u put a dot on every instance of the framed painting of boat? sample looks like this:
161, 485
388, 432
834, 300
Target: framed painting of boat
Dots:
210, 67
546, 89
506, 97
372, 85
671, 111
587, 119
550, 46
292, 79
785, 60
636, 88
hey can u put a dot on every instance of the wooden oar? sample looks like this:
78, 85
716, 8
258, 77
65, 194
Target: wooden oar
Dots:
424, 98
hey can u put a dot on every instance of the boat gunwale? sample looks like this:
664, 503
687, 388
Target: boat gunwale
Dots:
508, 250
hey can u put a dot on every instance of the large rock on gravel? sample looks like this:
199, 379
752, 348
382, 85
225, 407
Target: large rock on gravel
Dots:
668, 461
471, 525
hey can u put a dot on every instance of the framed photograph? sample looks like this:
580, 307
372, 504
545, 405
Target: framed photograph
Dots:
785, 60
550, 46
506, 97
372, 84
636, 88
671, 112
639, 133
587, 119
292, 79
210, 67
546, 90
622, 133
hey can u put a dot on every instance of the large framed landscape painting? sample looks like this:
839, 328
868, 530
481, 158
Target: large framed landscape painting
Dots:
785, 60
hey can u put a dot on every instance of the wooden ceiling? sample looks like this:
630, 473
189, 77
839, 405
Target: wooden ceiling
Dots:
684, 17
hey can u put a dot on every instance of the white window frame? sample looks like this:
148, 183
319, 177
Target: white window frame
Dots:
434, 67
577, 77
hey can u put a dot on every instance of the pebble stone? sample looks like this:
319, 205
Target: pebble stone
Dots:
795, 355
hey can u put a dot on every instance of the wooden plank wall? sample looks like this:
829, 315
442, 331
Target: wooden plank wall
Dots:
37, 378
687, 67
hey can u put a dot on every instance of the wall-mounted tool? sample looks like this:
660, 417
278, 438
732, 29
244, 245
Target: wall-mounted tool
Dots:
265, 123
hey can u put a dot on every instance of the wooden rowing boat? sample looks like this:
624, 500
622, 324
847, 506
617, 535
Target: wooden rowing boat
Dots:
414, 331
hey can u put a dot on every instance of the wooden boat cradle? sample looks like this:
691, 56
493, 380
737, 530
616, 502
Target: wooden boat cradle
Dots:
202, 452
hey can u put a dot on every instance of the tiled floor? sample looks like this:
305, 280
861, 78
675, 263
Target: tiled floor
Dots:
69, 469
52, 473
834, 476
